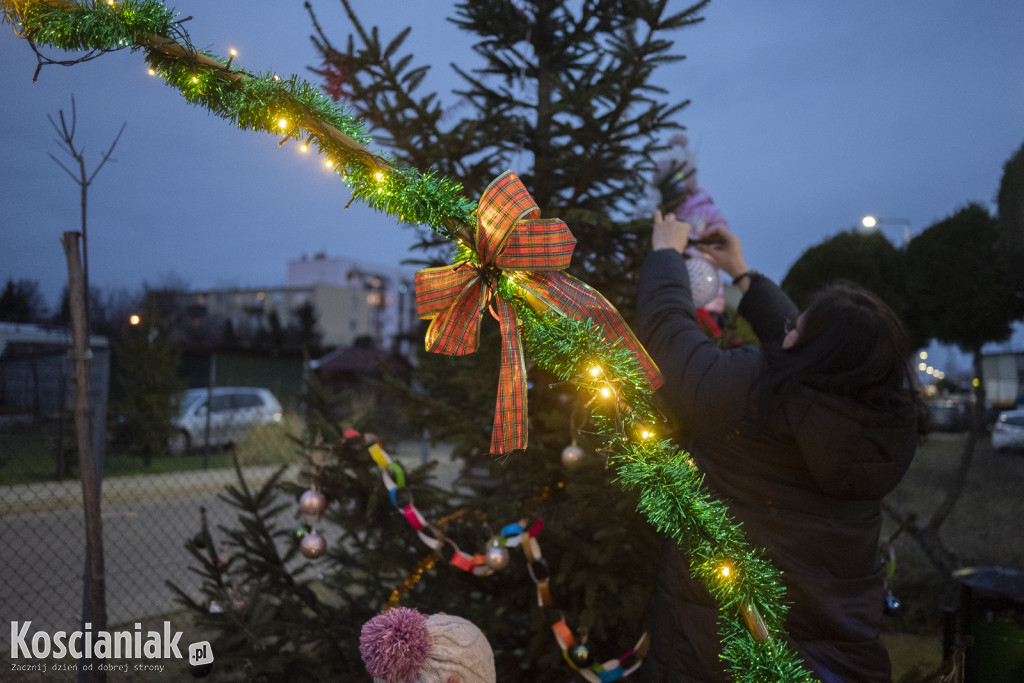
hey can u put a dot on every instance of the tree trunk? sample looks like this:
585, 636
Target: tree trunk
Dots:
94, 603
927, 534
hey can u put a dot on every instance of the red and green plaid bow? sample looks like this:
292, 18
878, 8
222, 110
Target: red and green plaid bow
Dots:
511, 237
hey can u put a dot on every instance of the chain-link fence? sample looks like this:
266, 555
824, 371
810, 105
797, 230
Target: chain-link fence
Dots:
147, 519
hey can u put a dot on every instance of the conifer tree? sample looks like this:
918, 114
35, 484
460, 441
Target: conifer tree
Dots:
568, 88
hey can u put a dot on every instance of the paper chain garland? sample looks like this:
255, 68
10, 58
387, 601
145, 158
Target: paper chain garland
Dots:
746, 587
515, 534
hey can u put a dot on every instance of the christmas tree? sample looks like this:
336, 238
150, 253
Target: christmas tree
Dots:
568, 92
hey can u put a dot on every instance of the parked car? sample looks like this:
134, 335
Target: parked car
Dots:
1008, 431
228, 412
949, 415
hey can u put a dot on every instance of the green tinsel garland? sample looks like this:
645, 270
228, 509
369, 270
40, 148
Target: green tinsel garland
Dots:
672, 494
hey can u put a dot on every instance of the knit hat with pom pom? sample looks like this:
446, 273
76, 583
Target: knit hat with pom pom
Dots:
404, 646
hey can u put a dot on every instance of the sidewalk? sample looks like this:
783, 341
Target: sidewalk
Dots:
67, 495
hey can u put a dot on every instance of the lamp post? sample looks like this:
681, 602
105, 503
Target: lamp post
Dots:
870, 222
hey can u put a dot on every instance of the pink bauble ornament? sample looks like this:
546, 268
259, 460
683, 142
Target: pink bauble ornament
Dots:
312, 546
571, 455
313, 503
704, 281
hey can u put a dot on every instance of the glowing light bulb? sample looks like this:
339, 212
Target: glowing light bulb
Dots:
134, 320
282, 123
379, 175
595, 371
233, 52
924, 355
726, 571
152, 71
606, 392
646, 434
329, 164
922, 366
304, 147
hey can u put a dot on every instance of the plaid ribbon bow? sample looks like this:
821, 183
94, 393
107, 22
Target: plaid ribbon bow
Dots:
511, 237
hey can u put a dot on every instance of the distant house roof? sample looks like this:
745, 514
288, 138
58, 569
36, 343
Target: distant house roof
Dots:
360, 362
22, 335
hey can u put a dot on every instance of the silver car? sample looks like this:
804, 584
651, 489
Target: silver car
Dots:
1008, 431
222, 416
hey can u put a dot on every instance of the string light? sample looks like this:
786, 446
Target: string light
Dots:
329, 163
152, 71
231, 55
379, 175
595, 371
282, 123
725, 571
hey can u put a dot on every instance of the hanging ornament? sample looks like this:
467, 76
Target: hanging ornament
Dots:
581, 655
496, 556
893, 606
704, 281
312, 545
301, 530
312, 503
572, 454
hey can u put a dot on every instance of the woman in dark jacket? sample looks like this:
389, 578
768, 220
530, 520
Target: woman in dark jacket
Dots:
801, 438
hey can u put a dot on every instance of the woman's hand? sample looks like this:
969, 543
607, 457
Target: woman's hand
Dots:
727, 256
669, 233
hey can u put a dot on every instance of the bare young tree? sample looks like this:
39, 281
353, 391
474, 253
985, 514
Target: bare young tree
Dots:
83, 178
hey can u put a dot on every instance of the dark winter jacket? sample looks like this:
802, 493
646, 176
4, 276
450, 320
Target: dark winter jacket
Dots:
806, 486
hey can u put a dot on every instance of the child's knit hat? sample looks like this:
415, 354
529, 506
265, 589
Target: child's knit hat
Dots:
404, 646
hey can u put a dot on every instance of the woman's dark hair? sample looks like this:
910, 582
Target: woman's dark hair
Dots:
851, 343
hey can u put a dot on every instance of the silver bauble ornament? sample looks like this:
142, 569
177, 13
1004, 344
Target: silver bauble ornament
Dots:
704, 280
312, 546
581, 655
312, 503
496, 557
572, 454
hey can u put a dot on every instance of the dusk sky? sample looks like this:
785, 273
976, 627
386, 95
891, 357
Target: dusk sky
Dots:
805, 116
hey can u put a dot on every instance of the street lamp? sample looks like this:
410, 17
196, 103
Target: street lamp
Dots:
870, 222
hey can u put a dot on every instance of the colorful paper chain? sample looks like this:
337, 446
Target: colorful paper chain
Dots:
515, 534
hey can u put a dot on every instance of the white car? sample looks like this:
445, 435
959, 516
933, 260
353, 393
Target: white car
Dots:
1008, 431
225, 414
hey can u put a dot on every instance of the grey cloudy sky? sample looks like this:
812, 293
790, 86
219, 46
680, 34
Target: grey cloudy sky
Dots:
805, 116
